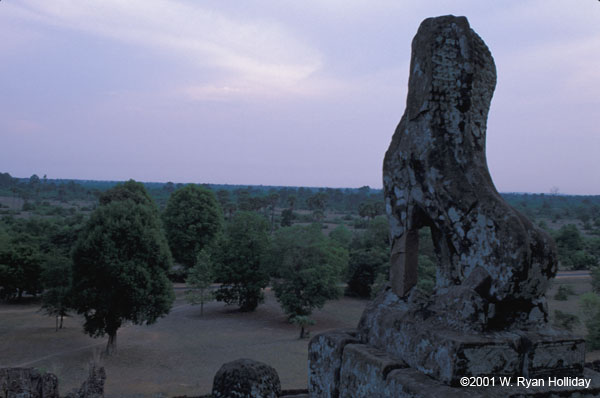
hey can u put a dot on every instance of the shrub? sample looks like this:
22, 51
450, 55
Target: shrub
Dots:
563, 320
563, 293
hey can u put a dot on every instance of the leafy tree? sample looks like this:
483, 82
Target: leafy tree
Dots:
20, 268
192, 220
291, 200
582, 260
229, 209
370, 209
130, 190
34, 180
318, 203
287, 216
590, 308
369, 256
120, 264
272, 200
303, 322
571, 249
241, 259
310, 269
342, 236
56, 278
223, 197
6, 180
363, 267
199, 279
169, 187
563, 293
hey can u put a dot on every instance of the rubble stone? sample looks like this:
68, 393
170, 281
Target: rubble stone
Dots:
27, 383
246, 378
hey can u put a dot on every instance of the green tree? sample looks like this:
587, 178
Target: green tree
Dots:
241, 261
287, 216
120, 264
56, 278
192, 220
273, 199
590, 309
569, 238
370, 209
369, 256
310, 266
363, 267
20, 268
199, 279
342, 236
130, 190
563, 292
318, 203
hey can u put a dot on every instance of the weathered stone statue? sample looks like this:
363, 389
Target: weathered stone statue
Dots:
435, 174
487, 315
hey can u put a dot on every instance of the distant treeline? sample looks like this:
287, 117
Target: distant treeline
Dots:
364, 200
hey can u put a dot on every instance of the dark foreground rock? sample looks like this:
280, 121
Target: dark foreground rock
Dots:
27, 383
31, 383
246, 378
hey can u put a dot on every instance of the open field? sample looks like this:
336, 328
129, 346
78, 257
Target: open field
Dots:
178, 355
181, 352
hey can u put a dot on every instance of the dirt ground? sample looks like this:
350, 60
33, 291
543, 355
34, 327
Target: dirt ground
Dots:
178, 355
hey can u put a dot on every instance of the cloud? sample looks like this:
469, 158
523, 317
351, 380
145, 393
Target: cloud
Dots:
257, 53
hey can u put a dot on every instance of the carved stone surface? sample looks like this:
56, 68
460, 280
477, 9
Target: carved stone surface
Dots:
325, 361
435, 174
27, 383
364, 363
246, 378
424, 341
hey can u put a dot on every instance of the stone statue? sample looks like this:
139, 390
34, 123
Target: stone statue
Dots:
435, 174
487, 315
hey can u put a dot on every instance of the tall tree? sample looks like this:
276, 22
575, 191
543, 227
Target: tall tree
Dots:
56, 278
272, 199
120, 264
242, 254
199, 279
310, 266
317, 203
192, 220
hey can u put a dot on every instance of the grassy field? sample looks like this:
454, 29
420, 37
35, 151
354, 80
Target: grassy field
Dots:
181, 352
178, 355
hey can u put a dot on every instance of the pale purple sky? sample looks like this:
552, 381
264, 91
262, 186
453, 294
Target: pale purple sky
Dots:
274, 92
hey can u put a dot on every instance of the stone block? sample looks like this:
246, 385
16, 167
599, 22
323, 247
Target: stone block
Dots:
364, 371
325, 361
424, 341
27, 383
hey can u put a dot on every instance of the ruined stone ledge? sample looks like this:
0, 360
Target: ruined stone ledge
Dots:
371, 373
364, 371
428, 345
